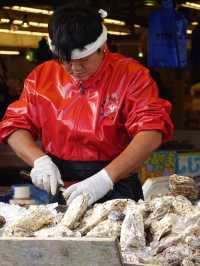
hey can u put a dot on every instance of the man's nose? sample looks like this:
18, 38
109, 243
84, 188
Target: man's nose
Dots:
76, 66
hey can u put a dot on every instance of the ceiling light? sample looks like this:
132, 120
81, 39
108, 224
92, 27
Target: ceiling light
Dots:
50, 12
189, 31
19, 22
30, 10
9, 52
23, 32
191, 5
36, 33
140, 54
194, 23
114, 21
4, 20
29, 55
137, 26
25, 24
149, 2
118, 32
38, 24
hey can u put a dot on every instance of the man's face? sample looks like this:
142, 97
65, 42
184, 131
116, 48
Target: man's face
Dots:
85, 67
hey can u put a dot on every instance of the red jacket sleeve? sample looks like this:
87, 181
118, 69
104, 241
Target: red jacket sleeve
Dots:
144, 110
21, 114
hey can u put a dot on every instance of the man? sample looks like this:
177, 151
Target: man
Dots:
97, 114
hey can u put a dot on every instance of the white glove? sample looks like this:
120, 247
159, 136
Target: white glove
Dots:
45, 174
95, 186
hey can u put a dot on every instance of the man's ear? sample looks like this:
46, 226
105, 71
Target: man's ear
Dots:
104, 45
102, 49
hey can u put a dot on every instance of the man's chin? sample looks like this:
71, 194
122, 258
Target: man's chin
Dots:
81, 77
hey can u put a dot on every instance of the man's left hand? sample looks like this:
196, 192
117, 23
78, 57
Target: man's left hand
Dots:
95, 186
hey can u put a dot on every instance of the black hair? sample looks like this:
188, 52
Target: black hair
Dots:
73, 27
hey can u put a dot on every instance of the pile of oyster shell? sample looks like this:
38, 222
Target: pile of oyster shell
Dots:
162, 231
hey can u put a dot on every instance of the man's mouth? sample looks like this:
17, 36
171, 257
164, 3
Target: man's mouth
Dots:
79, 75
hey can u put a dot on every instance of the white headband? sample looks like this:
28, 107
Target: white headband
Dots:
51, 46
91, 47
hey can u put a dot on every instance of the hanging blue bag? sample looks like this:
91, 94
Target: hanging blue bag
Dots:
167, 46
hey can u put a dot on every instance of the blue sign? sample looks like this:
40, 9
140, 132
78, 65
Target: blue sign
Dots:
188, 164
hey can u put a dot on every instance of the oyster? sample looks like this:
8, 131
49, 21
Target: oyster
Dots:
101, 211
159, 202
57, 231
132, 231
183, 185
159, 209
130, 257
182, 206
171, 240
30, 222
175, 254
163, 227
75, 211
188, 225
107, 228
193, 241
144, 207
2, 221
187, 262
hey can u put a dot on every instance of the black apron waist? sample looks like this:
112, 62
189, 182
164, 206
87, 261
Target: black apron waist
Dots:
79, 170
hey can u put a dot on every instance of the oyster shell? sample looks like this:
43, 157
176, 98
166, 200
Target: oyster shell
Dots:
30, 222
2, 221
193, 241
187, 262
188, 225
132, 231
57, 231
183, 185
75, 211
101, 211
107, 228
182, 206
163, 227
144, 207
159, 208
171, 240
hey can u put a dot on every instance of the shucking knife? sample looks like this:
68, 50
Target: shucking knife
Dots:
58, 197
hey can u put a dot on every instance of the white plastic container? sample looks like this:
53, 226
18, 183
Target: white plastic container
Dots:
22, 196
21, 192
155, 186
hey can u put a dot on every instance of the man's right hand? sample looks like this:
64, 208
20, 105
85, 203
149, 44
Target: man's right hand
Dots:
46, 175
